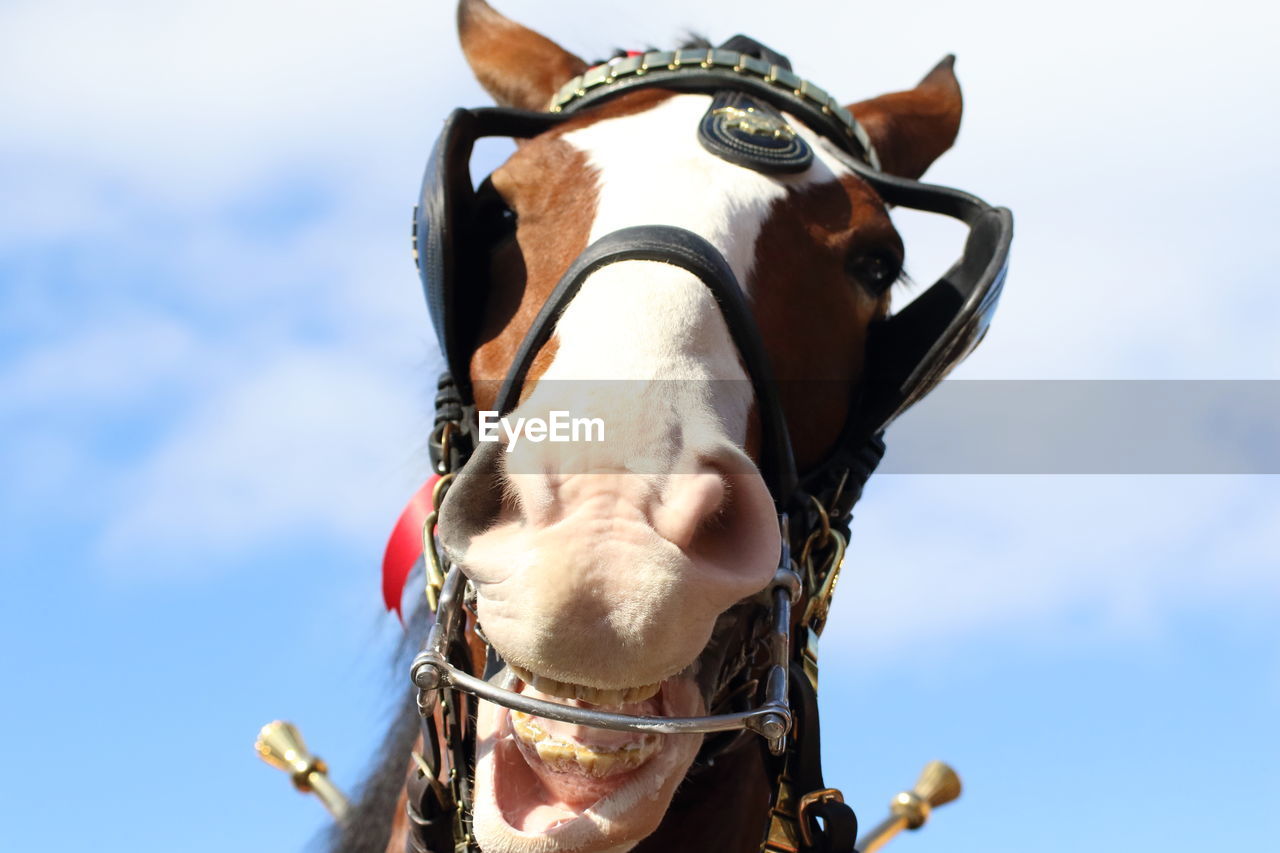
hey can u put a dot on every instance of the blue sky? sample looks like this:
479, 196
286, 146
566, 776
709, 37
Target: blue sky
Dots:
216, 370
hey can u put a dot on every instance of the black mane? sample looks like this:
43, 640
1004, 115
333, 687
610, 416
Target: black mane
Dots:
368, 825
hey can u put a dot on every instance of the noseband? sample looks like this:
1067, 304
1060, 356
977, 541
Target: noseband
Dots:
455, 229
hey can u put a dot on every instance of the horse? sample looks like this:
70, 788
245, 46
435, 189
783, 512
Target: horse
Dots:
694, 248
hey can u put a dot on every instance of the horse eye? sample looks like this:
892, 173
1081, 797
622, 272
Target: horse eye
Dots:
877, 271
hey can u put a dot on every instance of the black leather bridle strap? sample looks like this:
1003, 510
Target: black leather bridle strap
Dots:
684, 249
839, 830
746, 44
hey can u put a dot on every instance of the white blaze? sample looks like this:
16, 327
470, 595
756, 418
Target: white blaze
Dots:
647, 320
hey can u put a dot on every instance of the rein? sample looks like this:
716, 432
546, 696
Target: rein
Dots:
766, 683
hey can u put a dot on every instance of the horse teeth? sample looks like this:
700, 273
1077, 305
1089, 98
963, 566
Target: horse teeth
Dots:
553, 688
526, 728
647, 691
600, 697
568, 755
595, 763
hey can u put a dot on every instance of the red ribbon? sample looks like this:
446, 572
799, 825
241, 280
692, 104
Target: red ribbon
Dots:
629, 54
405, 546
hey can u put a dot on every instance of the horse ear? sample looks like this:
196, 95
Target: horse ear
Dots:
912, 129
517, 66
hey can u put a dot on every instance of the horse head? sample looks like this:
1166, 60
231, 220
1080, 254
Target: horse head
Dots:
698, 261
602, 571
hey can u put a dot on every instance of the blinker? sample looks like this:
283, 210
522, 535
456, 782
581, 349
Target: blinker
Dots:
752, 134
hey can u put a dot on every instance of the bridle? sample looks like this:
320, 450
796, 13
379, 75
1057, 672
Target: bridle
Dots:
764, 650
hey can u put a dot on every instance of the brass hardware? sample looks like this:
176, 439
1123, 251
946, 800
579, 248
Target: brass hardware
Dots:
435, 571
757, 124
447, 429
280, 744
825, 795
821, 576
823, 519
434, 568
820, 604
938, 785
784, 833
437, 491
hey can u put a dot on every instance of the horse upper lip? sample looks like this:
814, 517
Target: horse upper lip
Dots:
583, 693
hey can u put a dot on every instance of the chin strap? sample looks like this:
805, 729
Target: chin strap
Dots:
805, 815
801, 798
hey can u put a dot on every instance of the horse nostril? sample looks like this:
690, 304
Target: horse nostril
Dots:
690, 503
717, 514
473, 502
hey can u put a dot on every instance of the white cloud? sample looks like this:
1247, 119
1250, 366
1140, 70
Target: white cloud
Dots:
1131, 260
108, 365
311, 443
185, 98
1052, 560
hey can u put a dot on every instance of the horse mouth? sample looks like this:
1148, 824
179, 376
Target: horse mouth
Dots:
543, 785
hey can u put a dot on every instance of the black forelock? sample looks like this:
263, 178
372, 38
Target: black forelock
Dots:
691, 40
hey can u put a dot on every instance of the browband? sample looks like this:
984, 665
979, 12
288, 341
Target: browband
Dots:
706, 69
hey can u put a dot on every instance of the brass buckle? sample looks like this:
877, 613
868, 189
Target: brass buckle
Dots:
808, 801
434, 567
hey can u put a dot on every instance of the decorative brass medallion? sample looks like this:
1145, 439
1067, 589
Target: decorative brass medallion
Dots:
756, 123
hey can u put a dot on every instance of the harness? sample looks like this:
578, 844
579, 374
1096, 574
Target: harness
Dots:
765, 650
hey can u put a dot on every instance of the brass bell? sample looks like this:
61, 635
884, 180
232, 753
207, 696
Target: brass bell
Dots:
280, 744
938, 785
